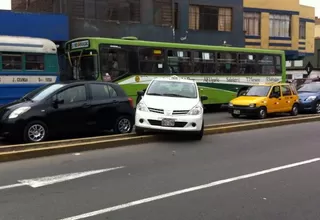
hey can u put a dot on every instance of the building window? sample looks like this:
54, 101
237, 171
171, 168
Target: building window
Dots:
302, 30
251, 23
116, 10
280, 25
210, 18
176, 16
162, 12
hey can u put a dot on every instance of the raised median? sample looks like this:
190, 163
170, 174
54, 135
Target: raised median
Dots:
25, 151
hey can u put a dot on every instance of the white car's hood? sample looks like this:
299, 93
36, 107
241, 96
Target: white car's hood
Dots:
169, 103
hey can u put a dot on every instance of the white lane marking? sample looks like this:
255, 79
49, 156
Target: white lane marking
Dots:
187, 190
11, 186
44, 181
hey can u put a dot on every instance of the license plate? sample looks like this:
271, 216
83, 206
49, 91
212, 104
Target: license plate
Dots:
237, 112
167, 122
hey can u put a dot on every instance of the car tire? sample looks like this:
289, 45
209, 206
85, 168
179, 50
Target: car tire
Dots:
262, 114
198, 136
295, 110
235, 116
123, 125
35, 131
317, 108
139, 131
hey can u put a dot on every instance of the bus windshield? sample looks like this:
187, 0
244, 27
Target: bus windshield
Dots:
83, 66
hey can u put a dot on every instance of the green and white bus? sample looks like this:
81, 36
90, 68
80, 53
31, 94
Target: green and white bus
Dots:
222, 72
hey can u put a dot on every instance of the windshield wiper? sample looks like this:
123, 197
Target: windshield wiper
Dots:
153, 93
175, 95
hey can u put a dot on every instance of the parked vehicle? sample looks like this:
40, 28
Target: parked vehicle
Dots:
300, 82
171, 104
69, 107
309, 97
27, 63
264, 99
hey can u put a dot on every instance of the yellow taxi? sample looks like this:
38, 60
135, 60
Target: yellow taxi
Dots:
261, 100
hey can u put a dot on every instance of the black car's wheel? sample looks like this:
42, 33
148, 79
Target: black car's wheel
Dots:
123, 125
35, 131
139, 131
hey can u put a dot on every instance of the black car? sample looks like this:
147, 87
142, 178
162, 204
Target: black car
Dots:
69, 107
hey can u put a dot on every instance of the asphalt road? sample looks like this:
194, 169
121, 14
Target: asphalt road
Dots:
154, 181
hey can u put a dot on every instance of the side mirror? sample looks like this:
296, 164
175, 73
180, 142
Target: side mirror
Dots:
57, 102
203, 98
141, 93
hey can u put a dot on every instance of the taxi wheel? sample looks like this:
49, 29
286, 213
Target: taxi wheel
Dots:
262, 113
294, 110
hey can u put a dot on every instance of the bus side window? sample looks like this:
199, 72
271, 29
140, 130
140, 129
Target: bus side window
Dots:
179, 62
227, 63
247, 63
11, 61
34, 62
204, 62
266, 64
278, 65
151, 60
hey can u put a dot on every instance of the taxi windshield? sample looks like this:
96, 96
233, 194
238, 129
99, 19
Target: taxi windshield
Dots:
260, 91
310, 87
172, 89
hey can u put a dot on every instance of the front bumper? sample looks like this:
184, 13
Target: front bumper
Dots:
307, 106
11, 128
243, 110
153, 121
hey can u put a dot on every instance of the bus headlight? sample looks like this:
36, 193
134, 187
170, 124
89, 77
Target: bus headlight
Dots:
19, 111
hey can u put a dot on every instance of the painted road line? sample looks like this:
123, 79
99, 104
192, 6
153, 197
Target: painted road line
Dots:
49, 180
188, 190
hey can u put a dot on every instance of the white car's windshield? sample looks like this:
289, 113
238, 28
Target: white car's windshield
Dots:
172, 89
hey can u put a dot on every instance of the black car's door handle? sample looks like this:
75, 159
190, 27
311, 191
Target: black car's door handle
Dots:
86, 105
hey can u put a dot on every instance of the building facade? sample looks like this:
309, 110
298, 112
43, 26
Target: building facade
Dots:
284, 25
188, 21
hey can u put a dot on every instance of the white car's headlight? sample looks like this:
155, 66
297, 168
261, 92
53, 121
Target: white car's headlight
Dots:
311, 98
19, 111
196, 110
142, 107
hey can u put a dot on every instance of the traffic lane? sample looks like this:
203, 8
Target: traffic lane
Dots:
291, 194
150, 170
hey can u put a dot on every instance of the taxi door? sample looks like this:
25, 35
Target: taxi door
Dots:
273, 104
287, 98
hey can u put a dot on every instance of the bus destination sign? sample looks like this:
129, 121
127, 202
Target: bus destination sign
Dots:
80, 44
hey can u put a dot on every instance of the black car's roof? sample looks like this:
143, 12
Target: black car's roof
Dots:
82, 81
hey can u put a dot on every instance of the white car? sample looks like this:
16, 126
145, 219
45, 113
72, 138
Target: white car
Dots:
171, 104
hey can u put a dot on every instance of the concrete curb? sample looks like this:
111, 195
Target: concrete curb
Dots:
19, 152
